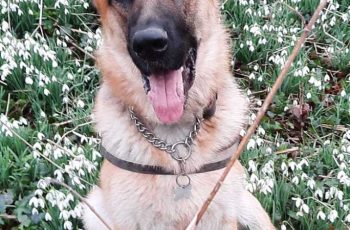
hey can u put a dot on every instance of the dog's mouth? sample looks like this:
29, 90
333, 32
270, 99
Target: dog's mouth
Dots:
168, 90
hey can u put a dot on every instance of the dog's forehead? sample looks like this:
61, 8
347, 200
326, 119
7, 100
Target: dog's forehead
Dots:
145, 6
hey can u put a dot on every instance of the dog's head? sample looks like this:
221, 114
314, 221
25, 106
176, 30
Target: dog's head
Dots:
168, 47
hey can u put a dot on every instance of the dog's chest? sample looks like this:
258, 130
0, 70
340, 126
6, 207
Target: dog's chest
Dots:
142, 201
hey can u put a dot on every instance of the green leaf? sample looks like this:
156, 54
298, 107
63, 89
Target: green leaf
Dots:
24, 220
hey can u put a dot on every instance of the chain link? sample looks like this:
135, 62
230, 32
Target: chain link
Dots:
158, 142
170, 148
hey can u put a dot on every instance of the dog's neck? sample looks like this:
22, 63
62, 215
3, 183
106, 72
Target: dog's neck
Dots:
121, 138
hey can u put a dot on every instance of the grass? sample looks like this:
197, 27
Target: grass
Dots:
298, 161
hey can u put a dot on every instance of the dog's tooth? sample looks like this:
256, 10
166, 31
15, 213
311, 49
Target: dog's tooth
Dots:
182, 69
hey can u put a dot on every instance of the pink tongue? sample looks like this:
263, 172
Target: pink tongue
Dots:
167, 95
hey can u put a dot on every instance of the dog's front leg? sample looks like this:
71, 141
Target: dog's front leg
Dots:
251, 214
90, 219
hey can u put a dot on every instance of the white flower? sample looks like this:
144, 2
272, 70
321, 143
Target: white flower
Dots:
65, 88
35, 211
78, 210
36, 154
292, 165
308, 95
29, 81
37, 146
57, 153
41, 136
4, 26
252, 166
268, 150
58, 175
41, 202
80, 104
255, 30
251, 144
327, 142
298, 201
259, 141
64, 215
42, 114
347, 218
261, 131
340, 195
311, 183
319, 193
68, 225
251, 76
43, 183
326, 78
48, 217
321, 215
343, 93
305, 208
254, 178
46, 92
38, 192
327, 195
332, 215
34, 202
284, 166
295, 180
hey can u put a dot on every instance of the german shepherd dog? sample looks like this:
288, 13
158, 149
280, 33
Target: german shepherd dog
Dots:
169, 114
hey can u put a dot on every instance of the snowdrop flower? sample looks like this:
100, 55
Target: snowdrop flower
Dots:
292, 165
343, 93
29, 81
80, 104
305, 208
311, 183
318, 193
48, 217
332, 215
347, 218
298, 201
34, 202
68, 225
252, 166
251, 144
321, 215
295, 180
35, 211
261, 131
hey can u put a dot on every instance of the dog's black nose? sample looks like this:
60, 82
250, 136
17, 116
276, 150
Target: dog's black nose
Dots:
150, 43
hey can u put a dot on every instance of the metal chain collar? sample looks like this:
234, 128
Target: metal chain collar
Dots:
182, 179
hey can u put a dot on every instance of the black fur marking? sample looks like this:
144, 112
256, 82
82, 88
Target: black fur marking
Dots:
210, 110
242, 227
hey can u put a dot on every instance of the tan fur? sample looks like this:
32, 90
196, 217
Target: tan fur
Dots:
129, 200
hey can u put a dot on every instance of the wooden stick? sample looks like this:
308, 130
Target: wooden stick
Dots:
260, 115
287, 150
